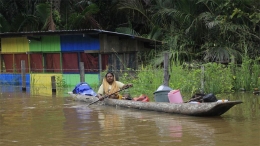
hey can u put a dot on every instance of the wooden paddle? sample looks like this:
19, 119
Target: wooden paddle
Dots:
126, 87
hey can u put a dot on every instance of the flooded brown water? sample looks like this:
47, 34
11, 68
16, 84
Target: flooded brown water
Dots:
56, 120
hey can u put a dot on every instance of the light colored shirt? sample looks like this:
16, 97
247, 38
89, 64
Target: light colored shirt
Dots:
101, 89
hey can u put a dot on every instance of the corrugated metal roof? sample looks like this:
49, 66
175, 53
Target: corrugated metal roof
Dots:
76, 32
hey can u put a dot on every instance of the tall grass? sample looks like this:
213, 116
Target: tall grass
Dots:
216, 78
145, 81
246, 76
185, 79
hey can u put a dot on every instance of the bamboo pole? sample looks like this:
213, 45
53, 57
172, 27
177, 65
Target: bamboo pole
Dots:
53, 84
100, 63
82, 72
23, 75
166, 69
202, 78
1, 64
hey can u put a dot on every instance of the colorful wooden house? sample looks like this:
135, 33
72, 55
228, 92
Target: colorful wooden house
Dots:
58, 53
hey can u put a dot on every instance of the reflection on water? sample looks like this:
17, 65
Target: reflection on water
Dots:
31, 119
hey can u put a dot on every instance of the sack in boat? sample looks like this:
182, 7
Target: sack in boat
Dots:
142, 97
84, 89
198, 97
210, 98
204, 97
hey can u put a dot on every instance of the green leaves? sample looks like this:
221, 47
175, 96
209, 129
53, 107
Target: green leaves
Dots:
43, 11
255, 17
126, 30
4, 26
84, 19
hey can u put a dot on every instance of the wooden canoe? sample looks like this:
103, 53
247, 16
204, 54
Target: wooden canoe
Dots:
192, 109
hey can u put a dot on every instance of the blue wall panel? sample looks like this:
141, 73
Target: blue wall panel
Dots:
72, 43
14, 79
13, 91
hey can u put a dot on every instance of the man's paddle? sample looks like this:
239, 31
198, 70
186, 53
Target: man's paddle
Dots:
127, 86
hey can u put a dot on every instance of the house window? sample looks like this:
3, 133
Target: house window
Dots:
11, 63
17, 62
90, 61
36, 63
8, 63
104, 59
52, 63
70, 63
121, 61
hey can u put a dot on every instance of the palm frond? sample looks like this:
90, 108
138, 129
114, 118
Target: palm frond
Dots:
208, 19
126, 30
221, 53
4, 26
85, 18
27, 23
91, 9
136, 6
155, 34
43, 10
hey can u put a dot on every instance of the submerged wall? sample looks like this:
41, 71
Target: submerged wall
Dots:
44, 58
13, 79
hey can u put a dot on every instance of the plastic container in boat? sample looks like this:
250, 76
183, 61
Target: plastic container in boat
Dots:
175, 96
161, 94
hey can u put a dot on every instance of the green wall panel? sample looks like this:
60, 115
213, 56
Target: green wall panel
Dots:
92, 78
74, 79
35, 46
46, 44
71, 79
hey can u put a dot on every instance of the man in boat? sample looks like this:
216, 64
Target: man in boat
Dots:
110, 85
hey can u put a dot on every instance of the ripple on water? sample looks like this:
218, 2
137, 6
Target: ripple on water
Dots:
29, 108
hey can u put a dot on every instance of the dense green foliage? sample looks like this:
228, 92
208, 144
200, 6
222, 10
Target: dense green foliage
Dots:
194, 32
204, 30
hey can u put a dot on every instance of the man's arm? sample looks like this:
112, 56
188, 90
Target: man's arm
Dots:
128, 85
122, 85
100, 92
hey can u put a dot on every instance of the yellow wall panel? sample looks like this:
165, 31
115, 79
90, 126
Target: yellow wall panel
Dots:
19, 44
40, 84
45, 92
8, 44
43, 80
22, 44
